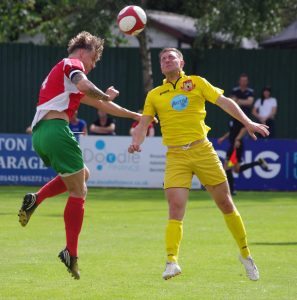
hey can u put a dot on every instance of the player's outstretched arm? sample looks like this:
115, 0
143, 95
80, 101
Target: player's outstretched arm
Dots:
229, 106
111, 108
139, 134
87, 87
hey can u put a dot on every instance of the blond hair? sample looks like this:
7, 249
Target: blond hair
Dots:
85, 40
180, 55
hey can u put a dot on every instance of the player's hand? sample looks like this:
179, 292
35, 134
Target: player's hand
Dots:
112, 93
134, 148
254, 127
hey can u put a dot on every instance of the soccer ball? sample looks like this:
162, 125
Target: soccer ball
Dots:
131, 20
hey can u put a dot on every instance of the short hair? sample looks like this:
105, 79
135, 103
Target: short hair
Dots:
180, 55
85, 40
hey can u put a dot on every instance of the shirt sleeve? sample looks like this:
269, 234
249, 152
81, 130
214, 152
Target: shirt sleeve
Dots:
149, 109
210, 92
73, 66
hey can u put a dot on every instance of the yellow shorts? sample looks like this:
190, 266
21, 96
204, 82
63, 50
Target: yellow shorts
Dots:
200, 159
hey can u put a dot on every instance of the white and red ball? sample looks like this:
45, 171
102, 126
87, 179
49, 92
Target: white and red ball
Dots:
131, 20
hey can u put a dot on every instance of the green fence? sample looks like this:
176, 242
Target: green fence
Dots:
24, 67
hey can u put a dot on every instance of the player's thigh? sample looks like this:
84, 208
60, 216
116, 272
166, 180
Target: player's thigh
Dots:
57, 146
207, 165
178, 173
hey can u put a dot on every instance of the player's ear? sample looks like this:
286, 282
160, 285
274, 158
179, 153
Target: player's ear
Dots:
182, 64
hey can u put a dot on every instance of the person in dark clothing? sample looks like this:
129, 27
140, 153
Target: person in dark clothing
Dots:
234, 153
103, 125
243, 95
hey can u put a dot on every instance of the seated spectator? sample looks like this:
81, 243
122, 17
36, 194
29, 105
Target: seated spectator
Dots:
150, 130
78, 126
265, 110
104, 125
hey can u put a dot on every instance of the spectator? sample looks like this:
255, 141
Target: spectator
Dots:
265, 110
78, 126
104, 125
243, 95
233, 160
150, 130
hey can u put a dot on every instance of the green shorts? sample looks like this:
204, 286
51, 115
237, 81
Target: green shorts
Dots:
57, 147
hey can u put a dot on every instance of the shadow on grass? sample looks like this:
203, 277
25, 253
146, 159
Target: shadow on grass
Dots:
275, 243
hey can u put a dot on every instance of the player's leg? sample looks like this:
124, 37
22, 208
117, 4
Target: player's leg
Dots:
68, 162
177, 181
66, 159
73, 219
220, 193
31, 200
211, 174
177, 199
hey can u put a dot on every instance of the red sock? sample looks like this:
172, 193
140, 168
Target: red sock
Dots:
73, 218
55, 187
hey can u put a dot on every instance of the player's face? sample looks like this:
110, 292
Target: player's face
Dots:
89, 59
170, 62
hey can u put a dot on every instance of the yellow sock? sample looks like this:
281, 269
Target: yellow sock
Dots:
236, 226
174, 233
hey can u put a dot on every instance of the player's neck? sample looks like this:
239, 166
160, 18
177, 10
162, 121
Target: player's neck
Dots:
172, 76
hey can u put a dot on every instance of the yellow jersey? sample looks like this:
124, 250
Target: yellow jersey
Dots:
180, 107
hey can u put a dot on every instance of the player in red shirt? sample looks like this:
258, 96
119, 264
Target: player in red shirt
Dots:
61, 93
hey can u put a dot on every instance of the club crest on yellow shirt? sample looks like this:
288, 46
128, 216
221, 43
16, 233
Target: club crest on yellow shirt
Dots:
188, 85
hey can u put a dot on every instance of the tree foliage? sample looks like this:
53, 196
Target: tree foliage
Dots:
16, 17
61, 19
232, 20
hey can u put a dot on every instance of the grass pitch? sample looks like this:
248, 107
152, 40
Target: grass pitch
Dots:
122, 253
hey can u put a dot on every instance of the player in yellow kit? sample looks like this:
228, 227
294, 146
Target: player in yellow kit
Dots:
180, 106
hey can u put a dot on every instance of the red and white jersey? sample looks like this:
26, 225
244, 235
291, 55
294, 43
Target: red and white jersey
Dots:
58, 92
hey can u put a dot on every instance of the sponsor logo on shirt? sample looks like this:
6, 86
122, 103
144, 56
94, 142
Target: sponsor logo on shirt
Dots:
179, 102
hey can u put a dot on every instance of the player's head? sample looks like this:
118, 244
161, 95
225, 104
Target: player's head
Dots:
243, 80
87, 47
171, 60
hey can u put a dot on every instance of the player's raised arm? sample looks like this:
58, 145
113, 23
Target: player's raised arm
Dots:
229, 106
91, 90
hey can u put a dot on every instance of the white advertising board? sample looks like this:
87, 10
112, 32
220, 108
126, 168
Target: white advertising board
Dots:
111, 165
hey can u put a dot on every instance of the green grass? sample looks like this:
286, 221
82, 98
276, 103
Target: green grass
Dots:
122, 252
